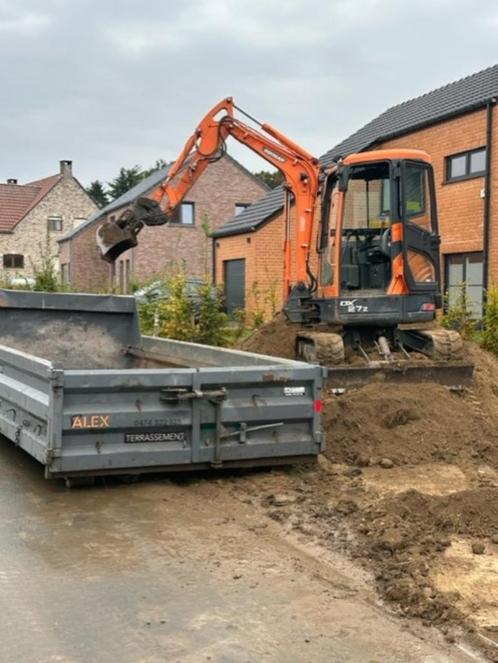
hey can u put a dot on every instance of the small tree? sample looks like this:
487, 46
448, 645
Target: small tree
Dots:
176, 312
272, 179
459, 315
489, 337
211, 322
127, 178
97, 192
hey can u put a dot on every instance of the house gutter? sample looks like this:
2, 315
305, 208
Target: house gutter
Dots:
487, 197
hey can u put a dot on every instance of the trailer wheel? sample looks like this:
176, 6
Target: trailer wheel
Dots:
79, 482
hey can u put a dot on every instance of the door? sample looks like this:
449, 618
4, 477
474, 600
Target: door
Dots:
420, 227
234, 278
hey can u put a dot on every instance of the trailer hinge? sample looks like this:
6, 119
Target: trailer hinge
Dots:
56, 378
51, 455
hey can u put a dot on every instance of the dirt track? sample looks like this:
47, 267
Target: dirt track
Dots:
183, 570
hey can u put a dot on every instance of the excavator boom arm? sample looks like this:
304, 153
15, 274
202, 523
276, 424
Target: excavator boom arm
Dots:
206, 145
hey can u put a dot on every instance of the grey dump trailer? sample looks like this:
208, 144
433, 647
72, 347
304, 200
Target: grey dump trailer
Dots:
85, 394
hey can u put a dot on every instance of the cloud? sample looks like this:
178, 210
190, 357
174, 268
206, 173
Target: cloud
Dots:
26, 24
111, 85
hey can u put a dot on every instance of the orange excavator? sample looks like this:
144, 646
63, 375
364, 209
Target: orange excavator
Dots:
366, 278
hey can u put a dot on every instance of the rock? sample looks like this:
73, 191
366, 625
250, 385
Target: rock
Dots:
478, 548
283, 499
363, 460
494, 538
352, 472
345, 507
392, 539
386, 463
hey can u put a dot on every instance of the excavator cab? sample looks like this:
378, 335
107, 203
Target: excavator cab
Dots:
379, 271
379, 243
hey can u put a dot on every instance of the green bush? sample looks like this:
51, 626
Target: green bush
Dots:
459, 316
182, 317
489, 334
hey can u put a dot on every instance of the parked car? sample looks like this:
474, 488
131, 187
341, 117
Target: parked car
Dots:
158, 290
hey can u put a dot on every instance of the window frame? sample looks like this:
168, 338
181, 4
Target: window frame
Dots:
55, 217
468, 174
464, 255
13, 255
423, 168
180, 223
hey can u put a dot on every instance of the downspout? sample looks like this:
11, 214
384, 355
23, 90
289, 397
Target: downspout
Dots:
487, 197
213, 258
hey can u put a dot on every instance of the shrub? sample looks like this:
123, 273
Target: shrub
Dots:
459, 315
185, 315
489, 334
211, 322
176, 312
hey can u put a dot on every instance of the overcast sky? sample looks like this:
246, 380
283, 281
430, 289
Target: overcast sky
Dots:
110, 84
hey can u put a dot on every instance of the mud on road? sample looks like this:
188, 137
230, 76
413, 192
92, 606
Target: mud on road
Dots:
182, 569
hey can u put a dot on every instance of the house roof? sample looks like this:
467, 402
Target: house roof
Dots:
16, 200
462, 96
254, 215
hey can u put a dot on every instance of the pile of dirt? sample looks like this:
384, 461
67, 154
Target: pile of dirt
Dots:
401, 536
275, 338
417, 423
408, 485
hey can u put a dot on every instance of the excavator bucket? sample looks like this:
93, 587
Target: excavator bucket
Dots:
113, 240
116, 237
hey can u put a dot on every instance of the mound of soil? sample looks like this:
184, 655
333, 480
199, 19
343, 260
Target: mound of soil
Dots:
275, 338
398, 531
417, 423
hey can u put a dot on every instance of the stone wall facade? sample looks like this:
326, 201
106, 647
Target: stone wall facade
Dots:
32, 238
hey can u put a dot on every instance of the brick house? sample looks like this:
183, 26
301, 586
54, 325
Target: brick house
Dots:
458, 126
224, 189
34, 215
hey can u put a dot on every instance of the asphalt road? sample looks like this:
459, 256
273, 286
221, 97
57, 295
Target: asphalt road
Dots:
177, 570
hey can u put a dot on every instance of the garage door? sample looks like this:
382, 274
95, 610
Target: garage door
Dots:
234, 278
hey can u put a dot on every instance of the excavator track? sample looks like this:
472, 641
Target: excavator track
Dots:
443, 363
323, 347
443, 344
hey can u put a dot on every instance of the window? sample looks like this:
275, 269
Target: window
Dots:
55, 223
240, 207
184, 215
465, 269
13, 261
465, 165
367, 203
416, 195
414, 190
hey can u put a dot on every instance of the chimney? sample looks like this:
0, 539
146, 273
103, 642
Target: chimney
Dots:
66, 168
11, 180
